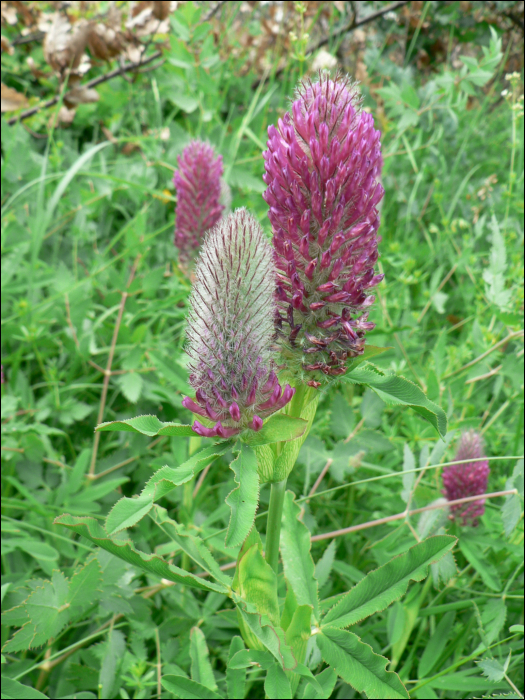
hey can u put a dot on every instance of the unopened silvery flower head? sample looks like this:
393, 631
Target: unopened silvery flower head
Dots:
230, 330
322, 170
468, 479
199, 190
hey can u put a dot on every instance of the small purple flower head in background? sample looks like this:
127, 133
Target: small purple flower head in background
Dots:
230, 330
199, 190
468, 479
322, 170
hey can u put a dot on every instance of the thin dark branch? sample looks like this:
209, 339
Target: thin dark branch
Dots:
213, 11
353, 24
126, 68
35, 36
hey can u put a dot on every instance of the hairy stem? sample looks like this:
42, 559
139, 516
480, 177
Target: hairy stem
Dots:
273, 526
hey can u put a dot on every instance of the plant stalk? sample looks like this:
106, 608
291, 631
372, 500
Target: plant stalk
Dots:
273, 526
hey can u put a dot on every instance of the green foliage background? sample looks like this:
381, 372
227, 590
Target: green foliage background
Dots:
93, 309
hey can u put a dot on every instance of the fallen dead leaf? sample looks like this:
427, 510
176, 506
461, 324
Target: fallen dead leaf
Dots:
12, 100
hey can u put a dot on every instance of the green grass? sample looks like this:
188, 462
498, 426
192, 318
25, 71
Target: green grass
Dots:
90, 282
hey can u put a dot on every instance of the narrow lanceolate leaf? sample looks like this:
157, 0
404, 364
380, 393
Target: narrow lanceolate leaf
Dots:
146, 425
383, 586
270, 636
276, 684
14, 689
278, 428
190, 543
183, 687
235, 677
327, 680
201, 670
244, 498
129, 511
298, 565
399, 391
257, 583
125, 549
356, 663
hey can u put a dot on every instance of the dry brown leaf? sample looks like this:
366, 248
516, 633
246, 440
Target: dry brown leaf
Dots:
161, 9
6, 46
12, 100
130, 148
9, 15
64, 117
107, 133
24, 12
79, 94
63, 44
35, 70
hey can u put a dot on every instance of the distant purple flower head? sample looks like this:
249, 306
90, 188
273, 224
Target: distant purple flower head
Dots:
198, 185
230, 330
322, 170
469, 479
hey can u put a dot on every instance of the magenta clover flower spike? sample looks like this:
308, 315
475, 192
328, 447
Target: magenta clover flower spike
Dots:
468, 479
230, 330
322, 168
198, 185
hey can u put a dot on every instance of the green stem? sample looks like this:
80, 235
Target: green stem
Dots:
273, 526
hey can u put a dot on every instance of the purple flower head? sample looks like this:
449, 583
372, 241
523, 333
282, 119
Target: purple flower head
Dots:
322, 170
230, 330
468, 479
199, 207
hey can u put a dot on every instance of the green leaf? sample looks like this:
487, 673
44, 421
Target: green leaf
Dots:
325, 563
14, 689
85, 585
244, 498
186, 689
277, 469
299, 568
297, 635
131, 385
271, 637
146, 425
276, 684
171, 371
492, 669
327, 680
356, 663
399, 391
278, 428
383, 586
409, 464
235, 677
251, 657
474, 555
125, 549
201, 670
258, 583
516, 629
395, 622
113, 653
48, 611
511, 509
129, 511
436, 645
370, 351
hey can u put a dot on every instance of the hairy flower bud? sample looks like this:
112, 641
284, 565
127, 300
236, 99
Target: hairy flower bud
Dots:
199, 189
468, 479
230, 330
322, 170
